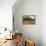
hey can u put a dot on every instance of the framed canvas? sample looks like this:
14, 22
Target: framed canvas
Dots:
29, 19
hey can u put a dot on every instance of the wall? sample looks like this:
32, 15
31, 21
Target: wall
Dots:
6, 13
43, 22
29, 7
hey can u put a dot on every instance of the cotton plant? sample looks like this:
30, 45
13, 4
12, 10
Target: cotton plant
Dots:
2, 35
2, 32
8, 32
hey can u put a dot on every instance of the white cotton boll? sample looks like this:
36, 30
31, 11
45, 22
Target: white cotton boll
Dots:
3, 34
7, 32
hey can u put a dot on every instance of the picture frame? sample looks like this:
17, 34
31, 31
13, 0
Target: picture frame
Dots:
29, 19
